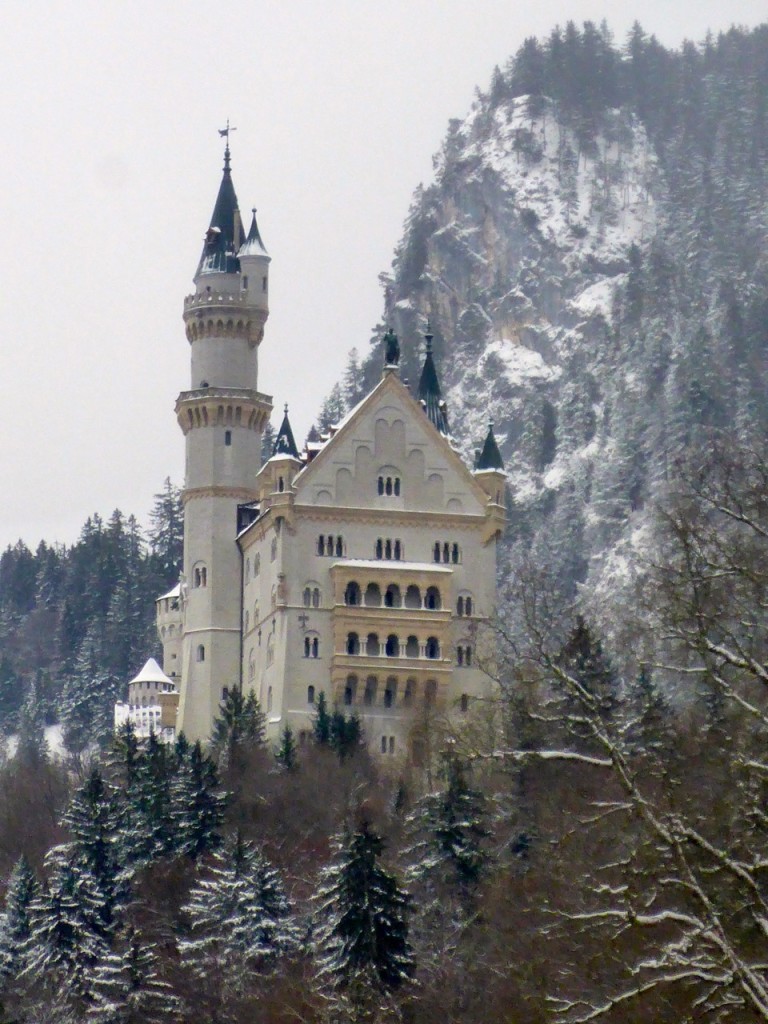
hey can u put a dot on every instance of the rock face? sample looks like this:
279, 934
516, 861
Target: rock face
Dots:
599, 295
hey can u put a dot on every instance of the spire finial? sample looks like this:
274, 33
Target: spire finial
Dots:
285, 408
224, 134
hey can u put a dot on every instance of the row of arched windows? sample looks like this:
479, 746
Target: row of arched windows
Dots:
330, 546
311, 597
393, 596
388, 549
200, 576
392, 646
446, 552
389, 485
389, 694
464, 606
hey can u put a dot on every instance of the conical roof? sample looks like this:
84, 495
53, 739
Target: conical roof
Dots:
225, 232
284, 442
490, 456
429, 393
152, 673
253, 245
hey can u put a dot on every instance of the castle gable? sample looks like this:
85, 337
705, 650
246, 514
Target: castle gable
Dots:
387, 454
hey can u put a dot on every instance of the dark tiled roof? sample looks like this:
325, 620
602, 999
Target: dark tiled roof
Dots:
490, 456
253, 245
429, 393
284, 442
225, 233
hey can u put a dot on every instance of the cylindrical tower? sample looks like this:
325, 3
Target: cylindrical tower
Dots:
222, 417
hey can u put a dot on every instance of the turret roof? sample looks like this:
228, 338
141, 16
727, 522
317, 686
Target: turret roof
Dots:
490, 456
225, 233
429, 393
253, 245
284, 442
152, 673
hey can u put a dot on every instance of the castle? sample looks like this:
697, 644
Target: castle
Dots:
361, 566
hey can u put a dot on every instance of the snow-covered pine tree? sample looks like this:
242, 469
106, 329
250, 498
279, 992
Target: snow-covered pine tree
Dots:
127, 988
166, 532
149, 832
15, 926
333, 409
240, 919
197, 805
449, 832
241, 723
67, 932
362, 942
95, 818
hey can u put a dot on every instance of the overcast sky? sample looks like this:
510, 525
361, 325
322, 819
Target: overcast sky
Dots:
112, 163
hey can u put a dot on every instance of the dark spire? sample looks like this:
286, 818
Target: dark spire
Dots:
284, 442
490, 456
429, 393
225, 233
253, 245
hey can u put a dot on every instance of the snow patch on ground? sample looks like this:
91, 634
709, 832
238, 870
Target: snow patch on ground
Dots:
520, 363
597, 299
53, 737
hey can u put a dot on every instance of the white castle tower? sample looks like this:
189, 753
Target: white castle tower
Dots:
222, 417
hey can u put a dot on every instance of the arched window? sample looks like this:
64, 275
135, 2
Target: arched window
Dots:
315, 647
321, 545
398, 550
307, 646
372, 596
200, 652
371, 685
432, 648
468, 656
200, 576
432, 599
372, 647
381, 485
352, 594
430, 691
464, 704
410, 693
436, 553
397, 486
468, 606
388, 487
413, 597
388, 549
460, 606
412, 647
339, 547
281, 484
446, 552
459, 655
379, 548
455, 553
392, 646
227, 438
316, 597
392, 596
350, 690
353, 643
310, 695
307, 597
390, 693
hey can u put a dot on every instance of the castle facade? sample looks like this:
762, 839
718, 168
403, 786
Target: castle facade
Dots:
362, 566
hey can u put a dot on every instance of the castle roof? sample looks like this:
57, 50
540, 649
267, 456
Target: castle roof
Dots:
490, 456
152, 673
253, 245
429, 393
284, 442
224, 235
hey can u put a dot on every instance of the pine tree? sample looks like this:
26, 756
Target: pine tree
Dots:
322, 725
127, 988
95, 820
362, 940
353, 383
32, 749
67, 933
241, 723
166, 532
15, 922
197, 809
287, 753
450, 831
333, 409
240, 918
149, 831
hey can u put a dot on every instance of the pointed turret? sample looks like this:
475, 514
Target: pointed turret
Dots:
253, 245
225, 232
284, 442
490, 456
429, 393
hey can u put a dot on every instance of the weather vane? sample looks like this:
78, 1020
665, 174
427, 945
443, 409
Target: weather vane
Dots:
224, 132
